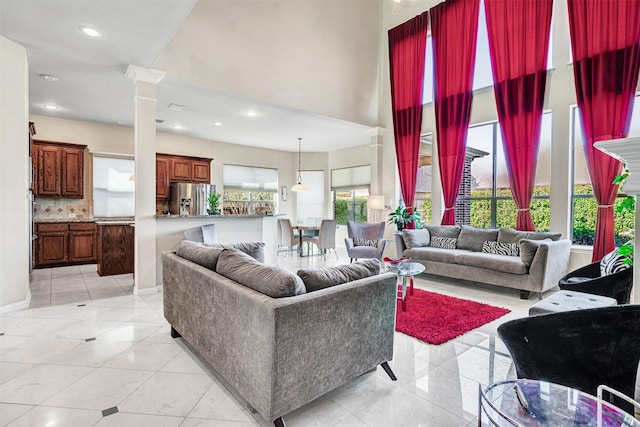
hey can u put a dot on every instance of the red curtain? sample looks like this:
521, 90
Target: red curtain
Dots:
605, 42
518, 41
454, 26
407, 44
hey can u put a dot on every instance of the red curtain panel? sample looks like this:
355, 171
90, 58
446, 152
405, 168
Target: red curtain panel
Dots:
454, 28
407, 44
605, 42
518, 42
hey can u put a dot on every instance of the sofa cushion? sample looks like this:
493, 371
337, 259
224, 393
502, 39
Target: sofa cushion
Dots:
254, 249
473, 238
270, 280
361, 241
612, 262
503, 263
508, 249
509, 235
199, 253
443, 242
430, 253
416, 238
331, 276
452, 231
528, 249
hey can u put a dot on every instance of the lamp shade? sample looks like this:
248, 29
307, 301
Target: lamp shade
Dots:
299, 187
375, 201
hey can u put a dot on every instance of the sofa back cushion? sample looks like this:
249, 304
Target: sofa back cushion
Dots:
528, 249
331, 276
473, 238
199, 253
452, 231
509, 235
270, 280
253, 249
416, 238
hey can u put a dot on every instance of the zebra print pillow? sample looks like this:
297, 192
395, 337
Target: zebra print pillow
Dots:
361, 241
443, 242
498, 248
612, 263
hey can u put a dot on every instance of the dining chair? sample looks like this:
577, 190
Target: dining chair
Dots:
207, 233
288, 242
326, 238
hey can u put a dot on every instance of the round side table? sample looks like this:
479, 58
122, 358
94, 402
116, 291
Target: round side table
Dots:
404, 271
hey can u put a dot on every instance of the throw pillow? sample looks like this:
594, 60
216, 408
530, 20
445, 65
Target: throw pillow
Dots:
332, 276
269, 280
473, 238
528, 249
199, 253
493, 247
612, 263
443, 242
361, 241
253, 249
416, 238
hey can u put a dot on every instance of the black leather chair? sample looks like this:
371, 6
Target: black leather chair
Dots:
580, 349
617, 285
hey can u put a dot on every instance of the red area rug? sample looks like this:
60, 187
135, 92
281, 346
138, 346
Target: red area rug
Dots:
436, 318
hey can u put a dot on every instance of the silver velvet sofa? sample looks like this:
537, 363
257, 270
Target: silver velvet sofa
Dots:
277, 353
528, 261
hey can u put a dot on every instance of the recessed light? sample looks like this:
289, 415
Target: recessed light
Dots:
90, 31
49, 77
50, 107
217, 124
251, 113
177, 107
121, 123
176, 127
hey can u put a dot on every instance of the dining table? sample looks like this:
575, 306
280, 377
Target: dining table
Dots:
301, 229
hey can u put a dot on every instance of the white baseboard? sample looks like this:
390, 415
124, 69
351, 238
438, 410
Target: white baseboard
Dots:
144, 291
17, 306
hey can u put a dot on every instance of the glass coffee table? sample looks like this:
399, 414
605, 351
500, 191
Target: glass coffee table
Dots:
405, 272
538, 403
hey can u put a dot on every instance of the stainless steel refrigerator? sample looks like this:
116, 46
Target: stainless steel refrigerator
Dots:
189, 199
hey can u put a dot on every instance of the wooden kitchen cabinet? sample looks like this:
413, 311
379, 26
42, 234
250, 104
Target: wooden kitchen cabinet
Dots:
58, 170
162, 178
172, 168
65, 243
115, 248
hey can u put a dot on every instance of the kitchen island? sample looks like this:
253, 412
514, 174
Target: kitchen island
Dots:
231, 229
115, 247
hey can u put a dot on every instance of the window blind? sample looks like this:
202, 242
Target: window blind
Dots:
113, 187
250, 178
347, 178
310, 203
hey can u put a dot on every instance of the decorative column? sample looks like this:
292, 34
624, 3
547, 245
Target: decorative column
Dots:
145, 81
627, 150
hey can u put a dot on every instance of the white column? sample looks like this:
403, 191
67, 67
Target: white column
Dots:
145, 81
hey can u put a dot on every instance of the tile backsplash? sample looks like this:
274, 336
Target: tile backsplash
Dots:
61, 208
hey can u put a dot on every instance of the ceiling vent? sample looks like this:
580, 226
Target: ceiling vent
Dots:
158, 121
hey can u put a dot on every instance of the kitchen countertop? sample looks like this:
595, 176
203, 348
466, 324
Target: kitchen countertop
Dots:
212, 216
62, 220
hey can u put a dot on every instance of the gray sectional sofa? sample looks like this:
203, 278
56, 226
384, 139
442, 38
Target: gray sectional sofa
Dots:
279, 339
528, 261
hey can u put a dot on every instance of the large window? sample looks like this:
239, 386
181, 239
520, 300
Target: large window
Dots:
113, 186
585, 207
310, 203
490, 201
249, 190
424, 178
482, 75
350, 187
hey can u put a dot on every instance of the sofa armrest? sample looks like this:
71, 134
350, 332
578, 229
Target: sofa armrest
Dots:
400, 245
550, 263
348, 242
382, 243
326, 337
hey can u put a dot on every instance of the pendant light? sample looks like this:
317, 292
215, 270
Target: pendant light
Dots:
299, 186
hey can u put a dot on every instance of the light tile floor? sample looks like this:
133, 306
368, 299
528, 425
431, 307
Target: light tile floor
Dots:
112, 362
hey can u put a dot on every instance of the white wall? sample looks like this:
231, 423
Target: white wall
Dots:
14, 177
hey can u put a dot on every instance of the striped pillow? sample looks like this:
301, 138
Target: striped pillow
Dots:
443, 242
612, 263
361, 241
498, 248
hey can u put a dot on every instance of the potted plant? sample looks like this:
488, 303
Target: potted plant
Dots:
627, 204
401, 217
213, 199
